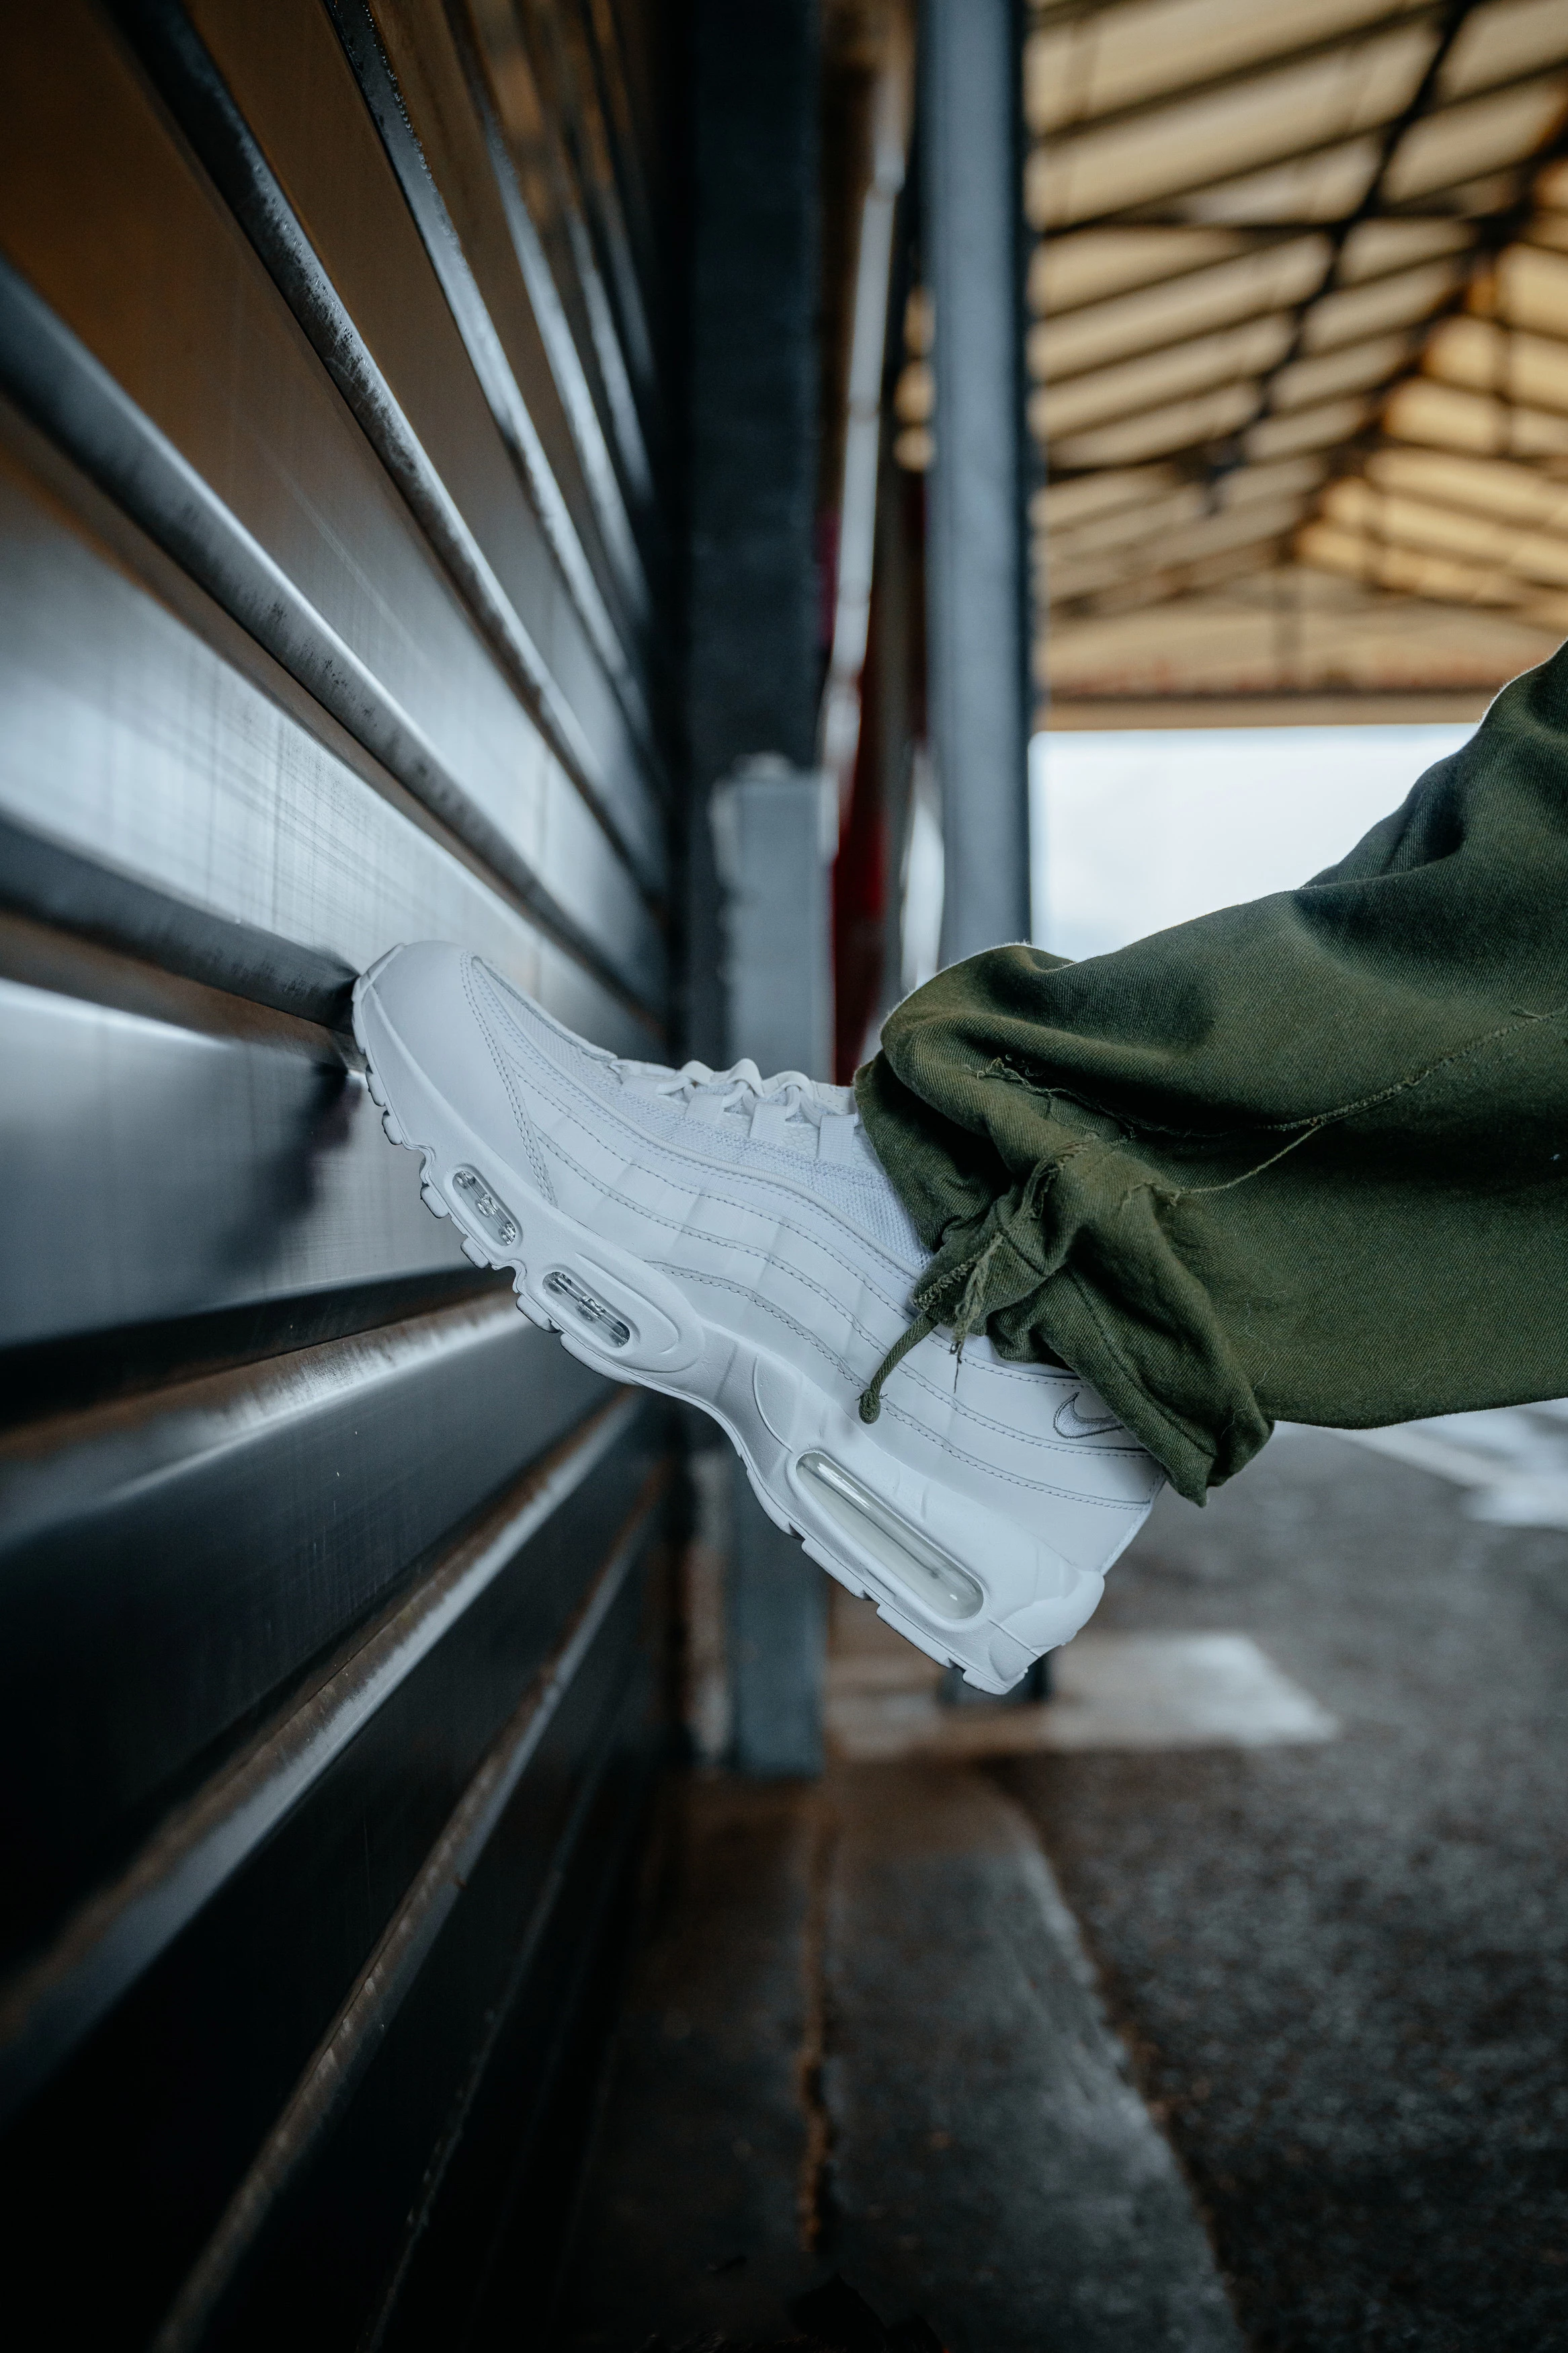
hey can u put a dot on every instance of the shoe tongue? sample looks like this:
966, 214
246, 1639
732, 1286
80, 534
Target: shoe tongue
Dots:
739, 1093
812, 1100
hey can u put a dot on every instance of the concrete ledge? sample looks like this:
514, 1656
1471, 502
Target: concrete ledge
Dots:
865, 2038
993, 2167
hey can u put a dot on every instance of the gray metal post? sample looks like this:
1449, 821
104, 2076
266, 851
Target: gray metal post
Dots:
753, 678
971, 198
776, 830
778, 1641
753, 667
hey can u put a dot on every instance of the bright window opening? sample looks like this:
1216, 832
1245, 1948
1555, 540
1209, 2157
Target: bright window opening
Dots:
1136, 830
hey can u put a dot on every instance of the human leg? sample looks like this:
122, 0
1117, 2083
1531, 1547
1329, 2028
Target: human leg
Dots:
1303, 1159
1299, 1158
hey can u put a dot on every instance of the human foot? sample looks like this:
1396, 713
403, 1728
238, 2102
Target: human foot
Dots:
733, 1241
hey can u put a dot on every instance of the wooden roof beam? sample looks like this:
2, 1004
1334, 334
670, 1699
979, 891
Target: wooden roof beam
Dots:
1053, 381
1145, 214
1327, 45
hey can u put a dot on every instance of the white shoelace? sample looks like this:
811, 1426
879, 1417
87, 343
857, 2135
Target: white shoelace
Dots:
771, 1107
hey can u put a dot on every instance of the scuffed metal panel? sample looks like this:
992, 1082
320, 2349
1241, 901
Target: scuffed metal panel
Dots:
331, 1602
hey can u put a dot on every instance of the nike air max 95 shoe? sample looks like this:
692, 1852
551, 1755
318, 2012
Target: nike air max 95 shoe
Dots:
732, 1241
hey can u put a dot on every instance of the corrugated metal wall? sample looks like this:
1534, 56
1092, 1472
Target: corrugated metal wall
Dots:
329, 1589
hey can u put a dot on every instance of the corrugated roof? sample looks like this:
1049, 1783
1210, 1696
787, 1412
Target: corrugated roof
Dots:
1299, 358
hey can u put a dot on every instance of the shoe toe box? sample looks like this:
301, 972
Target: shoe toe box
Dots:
422, 1013
423, 992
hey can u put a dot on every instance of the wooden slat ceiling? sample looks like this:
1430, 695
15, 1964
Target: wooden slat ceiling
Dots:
1299, 351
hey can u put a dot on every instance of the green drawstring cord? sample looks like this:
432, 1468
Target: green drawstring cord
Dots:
971, 1272
871, 1397
973, 1278
928, 1315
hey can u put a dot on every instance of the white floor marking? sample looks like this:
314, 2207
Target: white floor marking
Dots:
1109, 1691
1513, 1459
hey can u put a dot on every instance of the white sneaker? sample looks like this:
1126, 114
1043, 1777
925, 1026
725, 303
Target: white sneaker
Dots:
733, 1241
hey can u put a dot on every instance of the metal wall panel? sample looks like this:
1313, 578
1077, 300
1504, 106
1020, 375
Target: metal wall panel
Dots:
169, 1563
229, 380
349, 1856
193, 765
333, 612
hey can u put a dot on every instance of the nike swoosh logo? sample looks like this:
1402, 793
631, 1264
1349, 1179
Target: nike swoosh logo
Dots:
1070, 1423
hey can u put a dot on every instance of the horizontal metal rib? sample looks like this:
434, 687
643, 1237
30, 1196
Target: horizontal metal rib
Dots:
362, 45
555, 333
47, 2008
541, 1924
58, 384
344, 2052
41, 878
281, 1185
318, 1481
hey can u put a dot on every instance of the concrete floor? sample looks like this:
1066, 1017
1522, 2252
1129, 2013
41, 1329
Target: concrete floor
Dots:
864, 2036
1343, 1969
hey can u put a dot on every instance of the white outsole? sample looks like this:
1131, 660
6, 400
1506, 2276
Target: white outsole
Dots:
480, 1249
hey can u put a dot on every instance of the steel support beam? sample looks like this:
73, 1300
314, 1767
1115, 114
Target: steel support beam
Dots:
753, 682
753, 667
971, 233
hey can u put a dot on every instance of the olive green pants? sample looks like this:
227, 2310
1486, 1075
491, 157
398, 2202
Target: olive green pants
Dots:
1302, 1159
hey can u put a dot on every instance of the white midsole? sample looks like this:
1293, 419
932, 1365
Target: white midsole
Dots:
770, 1412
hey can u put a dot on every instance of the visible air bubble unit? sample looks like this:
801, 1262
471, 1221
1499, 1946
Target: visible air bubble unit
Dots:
579, 1301
493, 1214
928, 1572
